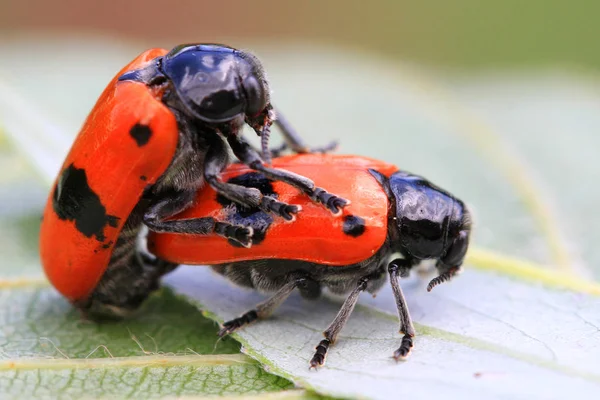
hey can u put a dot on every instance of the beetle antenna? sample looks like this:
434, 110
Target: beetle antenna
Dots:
264, 144
446, 276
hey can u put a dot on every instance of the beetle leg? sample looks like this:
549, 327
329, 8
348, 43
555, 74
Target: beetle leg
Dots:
293, 140
278, 150
167, 206
265, 309
338, 323
216, 161
244, 151
399, 268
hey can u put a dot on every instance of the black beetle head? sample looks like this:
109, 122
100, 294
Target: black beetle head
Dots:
217, 83
212, 83
431, 223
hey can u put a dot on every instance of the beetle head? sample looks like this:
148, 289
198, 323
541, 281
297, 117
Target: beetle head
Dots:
430, 222
212, 83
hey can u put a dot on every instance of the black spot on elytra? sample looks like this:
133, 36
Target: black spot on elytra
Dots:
353, 225
140, 133
74, 200
143, 178
259, 220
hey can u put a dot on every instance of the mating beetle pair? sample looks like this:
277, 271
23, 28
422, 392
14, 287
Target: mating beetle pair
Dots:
162, 129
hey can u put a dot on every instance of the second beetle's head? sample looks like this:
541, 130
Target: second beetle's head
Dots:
429, 223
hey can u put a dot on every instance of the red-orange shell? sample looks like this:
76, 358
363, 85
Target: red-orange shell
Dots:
118, 168
315, 236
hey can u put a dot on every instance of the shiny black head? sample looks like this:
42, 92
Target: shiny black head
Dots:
209, 82
429, 222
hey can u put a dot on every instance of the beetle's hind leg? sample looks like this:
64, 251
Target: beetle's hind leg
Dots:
244, 151
266, 308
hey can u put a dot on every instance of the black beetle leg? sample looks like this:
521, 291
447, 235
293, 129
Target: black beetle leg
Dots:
244, 151
216, 160
328, 148
400, 268
337, 324
293, 140
263, 310
274, 151
291, 137
167, 206
278, 150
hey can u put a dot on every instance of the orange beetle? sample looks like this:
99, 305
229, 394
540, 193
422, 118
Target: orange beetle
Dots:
390, 212
162, 127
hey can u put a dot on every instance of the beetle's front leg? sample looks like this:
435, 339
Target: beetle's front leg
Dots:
294, 142
400, 268
174, 202
216, 161
262, 125
279, 150
244, 151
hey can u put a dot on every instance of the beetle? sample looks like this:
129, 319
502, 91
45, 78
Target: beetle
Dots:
390, 212
161, 129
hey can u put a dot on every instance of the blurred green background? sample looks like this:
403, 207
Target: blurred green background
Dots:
454, 34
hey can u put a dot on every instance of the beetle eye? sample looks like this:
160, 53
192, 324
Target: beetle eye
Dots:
220, 105
257, 95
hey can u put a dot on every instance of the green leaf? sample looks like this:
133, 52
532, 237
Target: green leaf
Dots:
482, 334
138, 377
522, 321
39, 323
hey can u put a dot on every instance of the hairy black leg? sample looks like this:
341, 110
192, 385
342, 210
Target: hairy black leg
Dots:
244, 151
278, 150
168, 205
400, 268
338, 323
290, 135
264, 309
293, 139
328, 148
216, 160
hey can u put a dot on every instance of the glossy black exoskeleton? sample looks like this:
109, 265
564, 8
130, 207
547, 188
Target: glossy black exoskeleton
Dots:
430, 223
425, 222
212, 90
212, 83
